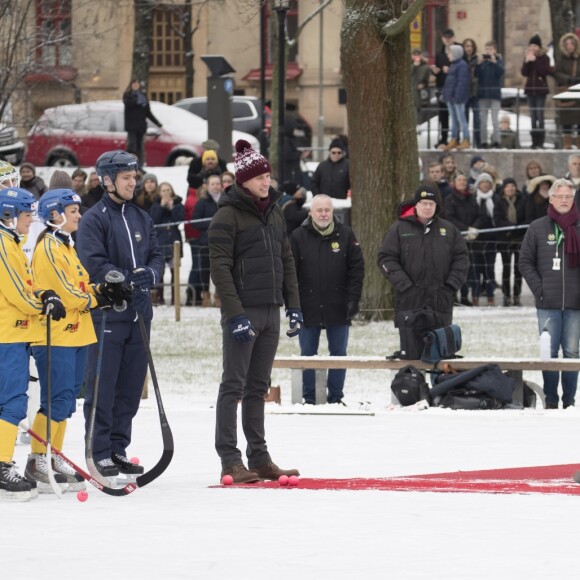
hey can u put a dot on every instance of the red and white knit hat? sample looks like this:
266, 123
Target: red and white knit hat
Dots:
248, 163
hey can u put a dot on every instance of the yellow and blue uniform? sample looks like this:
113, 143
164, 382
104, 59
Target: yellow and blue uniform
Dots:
56, 265
20, 308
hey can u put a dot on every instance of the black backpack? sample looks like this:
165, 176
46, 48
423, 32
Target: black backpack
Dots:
409, 386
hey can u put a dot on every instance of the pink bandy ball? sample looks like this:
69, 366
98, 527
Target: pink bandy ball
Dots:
283, 480
293, 480
134, 460
227, 480
82, 496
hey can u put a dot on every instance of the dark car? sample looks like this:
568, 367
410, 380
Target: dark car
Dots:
247, 112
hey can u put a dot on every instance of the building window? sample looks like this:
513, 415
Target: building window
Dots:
291, 27
54, 33
434, 22
167, 43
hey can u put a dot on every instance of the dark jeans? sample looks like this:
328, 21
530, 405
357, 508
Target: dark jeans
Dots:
564, 329
337, 337
536, 104
443, 116
483, 263
135, 145
246, 374
199, 274
473, 104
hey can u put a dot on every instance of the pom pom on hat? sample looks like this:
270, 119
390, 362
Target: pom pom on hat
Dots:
248, 163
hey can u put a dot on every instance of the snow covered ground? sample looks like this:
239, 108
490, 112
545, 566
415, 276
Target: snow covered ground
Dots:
180, 527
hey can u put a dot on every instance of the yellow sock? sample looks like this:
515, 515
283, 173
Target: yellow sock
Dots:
58, 431
8, 433
39, 427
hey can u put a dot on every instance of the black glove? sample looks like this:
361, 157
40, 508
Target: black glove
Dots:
104, 302
242, 329
352, 309
52, 303
143, 278
116, 292
140, 300
295, 321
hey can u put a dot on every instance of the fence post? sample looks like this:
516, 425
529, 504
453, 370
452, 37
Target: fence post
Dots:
176, 279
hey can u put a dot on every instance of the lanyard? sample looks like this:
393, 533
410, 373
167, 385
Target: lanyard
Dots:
559, 236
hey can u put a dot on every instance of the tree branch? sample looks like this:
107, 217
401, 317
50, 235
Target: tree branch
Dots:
396, 25
292, 41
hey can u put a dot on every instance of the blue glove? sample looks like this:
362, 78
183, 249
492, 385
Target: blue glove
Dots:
140, 300
242, 329
143, 278
296, 321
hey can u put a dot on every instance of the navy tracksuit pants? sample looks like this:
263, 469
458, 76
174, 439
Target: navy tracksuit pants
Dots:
123, 371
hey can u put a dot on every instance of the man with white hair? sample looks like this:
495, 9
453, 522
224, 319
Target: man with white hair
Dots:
550, 264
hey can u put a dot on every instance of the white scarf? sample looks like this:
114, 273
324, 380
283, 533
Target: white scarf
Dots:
486, 198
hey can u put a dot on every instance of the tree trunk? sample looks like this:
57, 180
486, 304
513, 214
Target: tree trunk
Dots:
382, 134
143, 33
188, 51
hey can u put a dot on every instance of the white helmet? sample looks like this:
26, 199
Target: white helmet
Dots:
9, 177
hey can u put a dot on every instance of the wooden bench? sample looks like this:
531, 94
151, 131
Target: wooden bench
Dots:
320, 364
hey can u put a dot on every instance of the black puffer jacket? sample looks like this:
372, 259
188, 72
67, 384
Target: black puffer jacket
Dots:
332, 179
330, 272
552, 289
251, 262
461, 210
167, 235
425, 264
500, 217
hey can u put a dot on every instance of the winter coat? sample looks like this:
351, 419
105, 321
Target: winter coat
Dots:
197, 174
167, 235
332, 179
425, 264
535, 208
191, 231
461, 210
552, 289
251, 262
420, 76
36, 186
457, 88
567, 73
508, 139
205, 208
330, 271
118, 236
536, 72
500, 217
137, 113
294, 214
490, 79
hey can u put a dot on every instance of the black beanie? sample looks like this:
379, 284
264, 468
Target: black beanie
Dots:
336, 144
536, 40
428, 192
509, 180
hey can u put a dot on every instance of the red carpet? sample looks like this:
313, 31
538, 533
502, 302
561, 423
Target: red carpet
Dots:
544, 479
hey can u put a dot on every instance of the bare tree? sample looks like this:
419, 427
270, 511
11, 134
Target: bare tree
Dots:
142, 35
562, 19
375, 57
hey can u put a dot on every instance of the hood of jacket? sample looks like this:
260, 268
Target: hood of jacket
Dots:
565, 37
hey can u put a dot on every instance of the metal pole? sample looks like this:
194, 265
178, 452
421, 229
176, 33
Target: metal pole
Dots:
281, 86
263, 137
320, 140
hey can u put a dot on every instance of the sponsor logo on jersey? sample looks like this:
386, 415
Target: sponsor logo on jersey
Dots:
71, 327
138, 236
22, 324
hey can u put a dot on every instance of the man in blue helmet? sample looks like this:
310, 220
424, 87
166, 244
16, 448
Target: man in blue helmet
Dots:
117, 235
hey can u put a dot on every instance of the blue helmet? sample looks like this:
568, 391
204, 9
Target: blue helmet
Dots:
13, 201
113, 162
56, 200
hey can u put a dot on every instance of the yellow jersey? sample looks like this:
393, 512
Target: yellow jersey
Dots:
20, 303
56, 265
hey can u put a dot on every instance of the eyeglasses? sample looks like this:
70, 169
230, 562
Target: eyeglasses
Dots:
563, 197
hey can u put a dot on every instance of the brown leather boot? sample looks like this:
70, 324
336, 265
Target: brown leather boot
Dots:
490, 301
271, 471
475, 300
240, 474
453, 144
464, 144
205, 299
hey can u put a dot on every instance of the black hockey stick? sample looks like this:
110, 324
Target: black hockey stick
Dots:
53, 484
166, 433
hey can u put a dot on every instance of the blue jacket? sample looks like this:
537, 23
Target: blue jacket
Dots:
490, 79
121, 237
167, 235
206, 207
457, 87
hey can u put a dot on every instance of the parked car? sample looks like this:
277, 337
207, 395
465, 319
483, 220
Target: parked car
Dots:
11, 148
428, 132
75, 135
247, 116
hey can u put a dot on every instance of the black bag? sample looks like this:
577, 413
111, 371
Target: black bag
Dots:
442, 343
413, 325
469, 399
409, 386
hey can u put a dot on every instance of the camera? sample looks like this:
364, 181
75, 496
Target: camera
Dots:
486, 56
